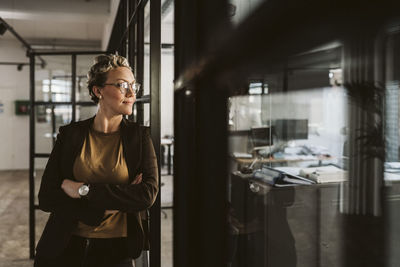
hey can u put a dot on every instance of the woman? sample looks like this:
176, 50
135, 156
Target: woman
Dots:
101, 175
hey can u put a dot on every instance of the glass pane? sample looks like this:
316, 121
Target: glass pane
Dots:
63, 115
239, 10
53, 79
392, 134
83, 63
146, 114
167, 135
43, 130
287, 144
43, 125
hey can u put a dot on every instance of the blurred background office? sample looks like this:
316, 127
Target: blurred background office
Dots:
275, 123
67, 35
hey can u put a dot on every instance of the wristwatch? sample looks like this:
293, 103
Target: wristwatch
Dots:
83, 190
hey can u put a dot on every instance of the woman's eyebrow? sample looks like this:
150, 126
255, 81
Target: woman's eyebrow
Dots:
121, 79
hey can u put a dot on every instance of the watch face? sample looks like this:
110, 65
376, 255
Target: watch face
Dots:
83, 190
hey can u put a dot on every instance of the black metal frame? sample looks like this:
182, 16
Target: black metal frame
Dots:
200, 137
127, 39
33, 104
155, 122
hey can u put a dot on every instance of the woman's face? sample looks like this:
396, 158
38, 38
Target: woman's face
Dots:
112, 101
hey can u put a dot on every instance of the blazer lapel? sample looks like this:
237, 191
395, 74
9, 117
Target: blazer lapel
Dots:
75, 143
131, 143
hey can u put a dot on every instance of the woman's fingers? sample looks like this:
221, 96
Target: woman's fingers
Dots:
138, 179
110, 212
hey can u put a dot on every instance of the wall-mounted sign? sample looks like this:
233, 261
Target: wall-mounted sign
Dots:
21, 107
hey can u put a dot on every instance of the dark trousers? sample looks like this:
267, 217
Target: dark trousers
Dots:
91, 252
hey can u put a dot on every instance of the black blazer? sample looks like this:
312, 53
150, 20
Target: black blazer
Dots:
133, 199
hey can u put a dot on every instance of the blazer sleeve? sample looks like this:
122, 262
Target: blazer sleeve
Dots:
53, 199
129, 197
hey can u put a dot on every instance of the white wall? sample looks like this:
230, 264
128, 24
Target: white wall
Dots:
167, 92
167, 80
14, 85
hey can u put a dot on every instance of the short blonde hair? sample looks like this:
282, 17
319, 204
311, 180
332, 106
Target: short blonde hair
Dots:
97, 74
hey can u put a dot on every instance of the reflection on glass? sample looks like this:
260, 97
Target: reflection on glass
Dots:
392, 137
239, 10
287, 145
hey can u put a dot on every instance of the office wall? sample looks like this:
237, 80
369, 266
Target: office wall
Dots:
167, 79
14, 85
167, 92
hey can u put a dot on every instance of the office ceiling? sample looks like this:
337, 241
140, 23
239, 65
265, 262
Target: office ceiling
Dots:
68, 24
62, 23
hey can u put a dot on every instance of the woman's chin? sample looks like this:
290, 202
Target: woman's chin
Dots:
127, 112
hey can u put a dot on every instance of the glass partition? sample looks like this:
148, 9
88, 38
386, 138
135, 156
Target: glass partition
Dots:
314, 157
53, 79
288, 149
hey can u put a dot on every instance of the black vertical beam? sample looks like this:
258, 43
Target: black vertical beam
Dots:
123, 24
131, 44
200, 168
140, 64
53, 123
132, 35
155, 114
73, 88
31, 158
184, 168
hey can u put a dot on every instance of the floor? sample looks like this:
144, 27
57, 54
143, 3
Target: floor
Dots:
14, 219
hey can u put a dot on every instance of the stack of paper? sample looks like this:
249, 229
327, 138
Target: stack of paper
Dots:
279, 178
325, 174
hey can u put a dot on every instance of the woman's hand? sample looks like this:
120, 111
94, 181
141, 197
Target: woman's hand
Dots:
138, 179
110, 212
71, 188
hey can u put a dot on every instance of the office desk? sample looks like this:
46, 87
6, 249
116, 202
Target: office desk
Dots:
305, 223
288, 225
242, 162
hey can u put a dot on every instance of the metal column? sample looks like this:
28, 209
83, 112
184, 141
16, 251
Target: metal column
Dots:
155, 124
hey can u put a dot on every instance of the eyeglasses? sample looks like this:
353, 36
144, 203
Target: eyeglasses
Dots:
124, 86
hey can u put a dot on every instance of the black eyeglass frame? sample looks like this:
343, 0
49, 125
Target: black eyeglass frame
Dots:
124, 86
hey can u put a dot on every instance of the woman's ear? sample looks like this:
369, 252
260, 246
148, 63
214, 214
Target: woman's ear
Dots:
97, 91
